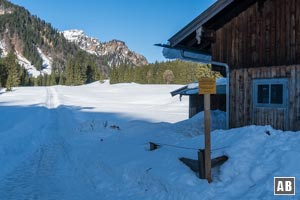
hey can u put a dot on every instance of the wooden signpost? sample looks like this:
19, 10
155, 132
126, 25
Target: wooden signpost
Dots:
207, 86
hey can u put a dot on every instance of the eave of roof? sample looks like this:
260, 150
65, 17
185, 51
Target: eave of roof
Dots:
185, 91
193, 88
199, 21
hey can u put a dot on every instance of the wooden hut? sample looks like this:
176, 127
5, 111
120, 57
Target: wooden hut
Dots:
260, 42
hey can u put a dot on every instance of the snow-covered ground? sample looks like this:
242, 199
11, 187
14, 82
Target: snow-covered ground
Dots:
91, 142
47, 63
32, 71
3, 49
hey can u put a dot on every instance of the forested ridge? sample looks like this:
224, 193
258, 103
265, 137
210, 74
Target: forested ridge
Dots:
169, 72
24, 33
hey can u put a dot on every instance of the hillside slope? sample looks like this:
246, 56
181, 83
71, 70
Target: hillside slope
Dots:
41, 49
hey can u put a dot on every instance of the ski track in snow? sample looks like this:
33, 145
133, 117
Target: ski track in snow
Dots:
56, 168
46, 174
58, 161
52, 100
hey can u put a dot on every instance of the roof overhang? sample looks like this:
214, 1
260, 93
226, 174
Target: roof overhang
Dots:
199, 35
193, 89
183, 54
199, 21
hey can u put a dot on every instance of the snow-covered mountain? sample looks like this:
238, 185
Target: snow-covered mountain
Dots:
117, 51
41, 49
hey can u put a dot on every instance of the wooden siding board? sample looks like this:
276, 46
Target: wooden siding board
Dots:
233, 44
273, 33
247, 38
258, 36
292, 97
245, 102
253, 38
282, 32
297, 101
297, 24
293, 32
266, 35
278, 31
287, 46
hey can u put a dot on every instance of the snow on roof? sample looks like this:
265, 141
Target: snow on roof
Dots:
192, 85
221, 81
171, 53
192, 88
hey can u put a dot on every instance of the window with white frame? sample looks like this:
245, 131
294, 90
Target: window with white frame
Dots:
270, 92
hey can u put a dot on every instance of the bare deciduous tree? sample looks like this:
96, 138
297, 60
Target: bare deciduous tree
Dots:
168, 76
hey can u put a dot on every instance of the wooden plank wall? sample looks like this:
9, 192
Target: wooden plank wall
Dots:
196, 104
274, 117
241, 93
266, 34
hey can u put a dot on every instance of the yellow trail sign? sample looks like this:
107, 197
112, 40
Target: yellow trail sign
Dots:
207, 86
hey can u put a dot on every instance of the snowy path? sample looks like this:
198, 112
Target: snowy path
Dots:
52, 98
53, 148
48, 172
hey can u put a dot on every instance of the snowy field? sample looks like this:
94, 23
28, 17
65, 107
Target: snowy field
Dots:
91, 142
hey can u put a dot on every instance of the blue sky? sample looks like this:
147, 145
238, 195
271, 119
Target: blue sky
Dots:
139, 23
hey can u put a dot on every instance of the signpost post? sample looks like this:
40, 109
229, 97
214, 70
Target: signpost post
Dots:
207, 86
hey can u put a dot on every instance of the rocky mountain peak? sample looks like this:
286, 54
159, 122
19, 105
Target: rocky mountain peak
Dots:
73, 35
116, 50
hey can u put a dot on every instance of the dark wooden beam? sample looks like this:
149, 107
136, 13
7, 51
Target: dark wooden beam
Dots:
192, 43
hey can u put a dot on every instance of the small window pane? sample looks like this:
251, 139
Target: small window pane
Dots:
263, 94
276, 94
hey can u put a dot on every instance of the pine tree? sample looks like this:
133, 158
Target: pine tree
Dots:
90, 71
24, 77
12, 66
38, 81
52, 80
61, 79
3, 74
78, 74
113, 75
69, 72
